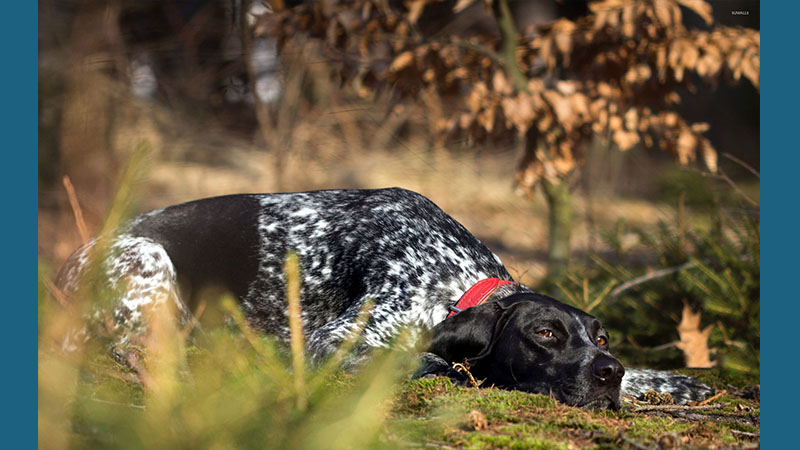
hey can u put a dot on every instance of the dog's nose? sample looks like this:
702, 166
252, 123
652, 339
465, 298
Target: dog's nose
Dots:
607, 369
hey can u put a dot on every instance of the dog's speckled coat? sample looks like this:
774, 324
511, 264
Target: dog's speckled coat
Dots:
392, 246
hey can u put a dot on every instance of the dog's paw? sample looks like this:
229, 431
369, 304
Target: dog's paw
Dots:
682, 388
431, 365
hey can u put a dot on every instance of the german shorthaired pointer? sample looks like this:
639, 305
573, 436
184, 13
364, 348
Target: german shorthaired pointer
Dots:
422, 269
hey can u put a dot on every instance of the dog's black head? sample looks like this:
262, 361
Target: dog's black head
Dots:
534, 343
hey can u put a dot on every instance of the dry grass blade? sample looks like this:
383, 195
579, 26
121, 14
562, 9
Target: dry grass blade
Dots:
194, 320
335, 362
76, 209
292, 270
123, 198
273, 367
165, 351
57, 294
59, 372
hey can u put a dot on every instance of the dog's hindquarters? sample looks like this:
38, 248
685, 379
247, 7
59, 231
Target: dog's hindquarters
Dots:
122, 281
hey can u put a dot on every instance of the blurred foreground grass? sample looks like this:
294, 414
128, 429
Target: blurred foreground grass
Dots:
226, 386
231, 392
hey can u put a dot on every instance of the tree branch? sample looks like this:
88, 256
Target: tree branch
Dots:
617, 291
506, 24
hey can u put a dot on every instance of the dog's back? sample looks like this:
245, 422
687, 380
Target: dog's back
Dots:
392, 246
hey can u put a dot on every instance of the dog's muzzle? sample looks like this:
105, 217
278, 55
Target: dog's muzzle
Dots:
607, 370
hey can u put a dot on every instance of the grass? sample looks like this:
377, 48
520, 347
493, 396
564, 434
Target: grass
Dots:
228, 387
229, 398
521, 420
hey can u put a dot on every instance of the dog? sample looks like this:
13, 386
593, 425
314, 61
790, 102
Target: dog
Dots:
423, 270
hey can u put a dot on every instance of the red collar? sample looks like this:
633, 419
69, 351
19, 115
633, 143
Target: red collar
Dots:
478, 294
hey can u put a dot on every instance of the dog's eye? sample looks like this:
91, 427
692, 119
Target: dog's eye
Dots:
602, 341
545, 333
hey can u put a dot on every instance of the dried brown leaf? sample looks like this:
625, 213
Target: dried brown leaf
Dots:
462, 5
686, 146
477, 421
500, 83
415, 8
628, 25
700, 7
625, 140
563, 32
632, 119
694, 341
486, 118
709, 155
402, 61
663, 12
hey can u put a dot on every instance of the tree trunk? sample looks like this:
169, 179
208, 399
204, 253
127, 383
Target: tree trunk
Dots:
560, 204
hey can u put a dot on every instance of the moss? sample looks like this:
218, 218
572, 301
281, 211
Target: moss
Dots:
647, 428
515, 437
499, 403
417, 396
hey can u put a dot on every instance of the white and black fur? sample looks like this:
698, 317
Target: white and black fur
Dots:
391, 246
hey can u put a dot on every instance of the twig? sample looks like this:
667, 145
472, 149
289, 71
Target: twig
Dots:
743, 164
464, 368
724, 177
76, 209
748, 420
712, 398
746, 434
665, 408
665, 346
505, 22
649, 277
466, 45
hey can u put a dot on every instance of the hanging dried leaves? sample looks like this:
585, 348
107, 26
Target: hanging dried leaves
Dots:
619, 70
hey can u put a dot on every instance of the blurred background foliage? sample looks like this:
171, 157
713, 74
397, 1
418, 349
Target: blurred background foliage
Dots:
419, 94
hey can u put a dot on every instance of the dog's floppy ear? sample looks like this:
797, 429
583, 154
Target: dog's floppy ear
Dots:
470, 334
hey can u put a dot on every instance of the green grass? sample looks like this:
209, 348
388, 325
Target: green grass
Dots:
228, 387
231, 392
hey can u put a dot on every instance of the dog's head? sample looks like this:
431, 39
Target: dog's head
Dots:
534, 343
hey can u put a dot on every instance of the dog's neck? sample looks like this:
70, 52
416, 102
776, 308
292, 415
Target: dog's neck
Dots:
509, 289
485, 291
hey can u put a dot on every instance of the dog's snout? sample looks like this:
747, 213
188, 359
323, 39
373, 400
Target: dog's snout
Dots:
607, 369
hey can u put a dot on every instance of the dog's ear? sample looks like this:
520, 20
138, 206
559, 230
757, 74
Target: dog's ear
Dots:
470, 334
